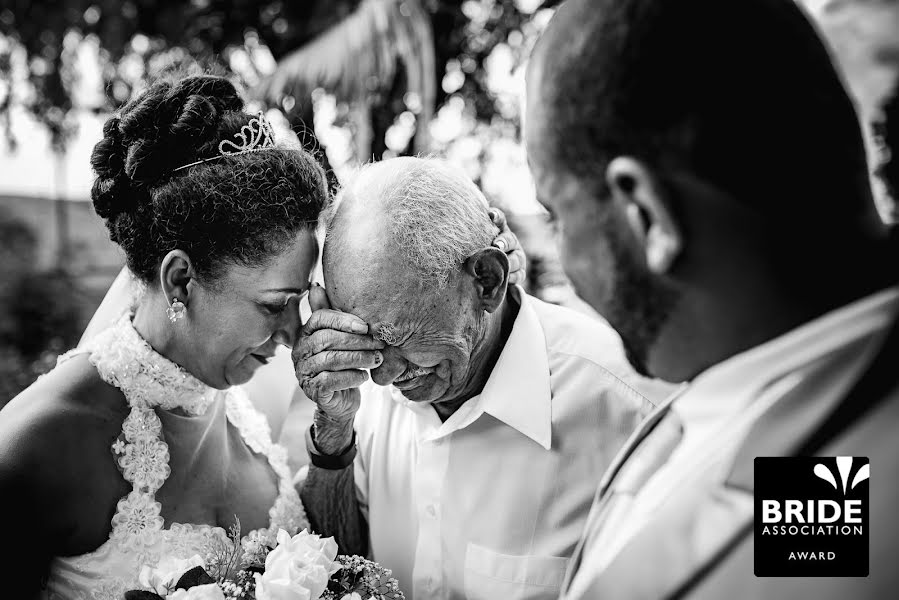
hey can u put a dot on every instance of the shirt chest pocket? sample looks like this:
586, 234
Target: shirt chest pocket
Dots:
491, 575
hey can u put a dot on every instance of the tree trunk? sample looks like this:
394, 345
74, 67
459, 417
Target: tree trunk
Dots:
61, 210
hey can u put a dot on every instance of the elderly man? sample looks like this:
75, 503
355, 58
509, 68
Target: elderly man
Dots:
709, 172
494, 414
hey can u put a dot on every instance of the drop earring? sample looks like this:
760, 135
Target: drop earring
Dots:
176, 310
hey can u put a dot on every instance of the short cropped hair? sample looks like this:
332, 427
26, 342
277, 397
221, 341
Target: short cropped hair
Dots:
436, 216
741, 93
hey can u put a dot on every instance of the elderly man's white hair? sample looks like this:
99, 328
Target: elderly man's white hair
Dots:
437, 217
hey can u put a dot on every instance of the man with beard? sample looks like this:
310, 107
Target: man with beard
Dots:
708, 171
494, 415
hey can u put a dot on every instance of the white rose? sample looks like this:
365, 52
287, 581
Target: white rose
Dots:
165, 576
298, 569
210, 591
353, 596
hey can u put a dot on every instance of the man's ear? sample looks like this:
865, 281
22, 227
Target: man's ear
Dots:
490, 269
648, 211
177, 276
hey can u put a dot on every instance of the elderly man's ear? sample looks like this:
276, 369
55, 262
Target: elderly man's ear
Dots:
490, 269
649, 217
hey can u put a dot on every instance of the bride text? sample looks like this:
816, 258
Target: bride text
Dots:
797, 511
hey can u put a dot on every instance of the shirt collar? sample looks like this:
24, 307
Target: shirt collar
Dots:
518, 390
728, 386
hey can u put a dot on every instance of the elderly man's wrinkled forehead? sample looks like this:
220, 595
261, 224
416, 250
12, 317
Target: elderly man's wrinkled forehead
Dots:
380, 290
400, 234
362, 266
356, 269
356, 224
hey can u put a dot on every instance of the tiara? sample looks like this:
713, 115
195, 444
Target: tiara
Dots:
254, 136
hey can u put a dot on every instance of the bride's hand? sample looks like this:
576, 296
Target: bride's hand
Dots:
508, 243
331, 354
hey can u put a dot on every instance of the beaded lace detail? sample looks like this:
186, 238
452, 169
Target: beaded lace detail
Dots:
149, 380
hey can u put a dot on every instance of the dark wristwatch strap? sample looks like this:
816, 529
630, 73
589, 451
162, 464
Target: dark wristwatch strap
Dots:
329, 461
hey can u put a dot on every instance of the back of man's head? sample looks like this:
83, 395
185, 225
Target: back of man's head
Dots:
741, 93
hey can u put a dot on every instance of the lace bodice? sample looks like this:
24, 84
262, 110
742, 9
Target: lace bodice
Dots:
150, 382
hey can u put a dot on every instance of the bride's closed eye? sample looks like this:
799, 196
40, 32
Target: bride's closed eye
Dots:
277, 308
274, 309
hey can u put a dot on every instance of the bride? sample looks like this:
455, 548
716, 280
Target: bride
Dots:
141, 443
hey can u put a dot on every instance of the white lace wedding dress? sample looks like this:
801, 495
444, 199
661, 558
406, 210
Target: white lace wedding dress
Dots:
152, 383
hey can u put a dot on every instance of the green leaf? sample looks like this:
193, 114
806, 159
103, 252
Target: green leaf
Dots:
194, 577
142, 595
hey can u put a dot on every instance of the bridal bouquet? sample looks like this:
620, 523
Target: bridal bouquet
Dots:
302, 567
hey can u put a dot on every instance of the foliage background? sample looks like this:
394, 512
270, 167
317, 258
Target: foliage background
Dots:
354, 79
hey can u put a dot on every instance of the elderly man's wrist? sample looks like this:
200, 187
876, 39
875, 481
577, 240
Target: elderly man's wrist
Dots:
332, 435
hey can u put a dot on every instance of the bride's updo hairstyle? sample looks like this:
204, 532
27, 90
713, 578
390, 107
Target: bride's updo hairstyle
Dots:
240, 209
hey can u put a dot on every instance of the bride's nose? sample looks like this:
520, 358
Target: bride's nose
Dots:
288, 326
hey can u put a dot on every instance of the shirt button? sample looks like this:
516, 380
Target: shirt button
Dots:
431, 510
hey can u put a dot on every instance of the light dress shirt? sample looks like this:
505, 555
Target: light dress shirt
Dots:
715, 414
491, 503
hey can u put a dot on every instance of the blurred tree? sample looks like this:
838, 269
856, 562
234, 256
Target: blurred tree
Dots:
389, 64
385, 57
863, 38
887, 131
35, 325
357, 61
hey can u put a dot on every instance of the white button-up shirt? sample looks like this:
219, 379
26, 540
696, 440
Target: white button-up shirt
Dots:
491, 503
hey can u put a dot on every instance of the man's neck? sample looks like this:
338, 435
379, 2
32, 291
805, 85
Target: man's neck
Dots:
496, 330
720, 324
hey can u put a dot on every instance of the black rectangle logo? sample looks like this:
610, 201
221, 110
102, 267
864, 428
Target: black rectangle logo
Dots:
811, 516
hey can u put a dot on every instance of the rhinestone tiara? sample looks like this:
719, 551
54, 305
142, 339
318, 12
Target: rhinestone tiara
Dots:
254, 136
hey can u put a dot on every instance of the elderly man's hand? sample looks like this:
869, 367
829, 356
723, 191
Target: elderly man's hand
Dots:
330, 357
508, 243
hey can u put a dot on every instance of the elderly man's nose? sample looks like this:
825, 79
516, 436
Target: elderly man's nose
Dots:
393, 366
